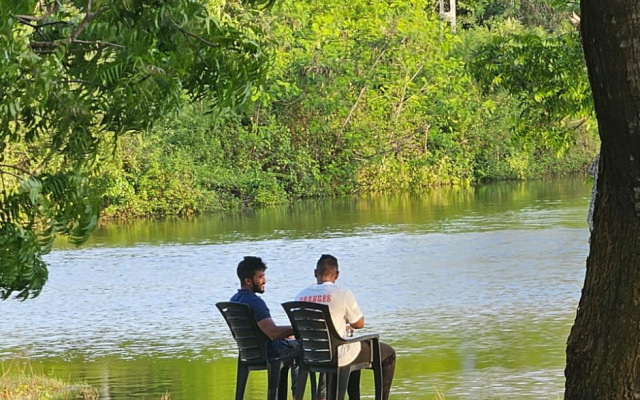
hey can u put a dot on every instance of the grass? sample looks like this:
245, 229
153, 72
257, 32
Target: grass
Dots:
19, 382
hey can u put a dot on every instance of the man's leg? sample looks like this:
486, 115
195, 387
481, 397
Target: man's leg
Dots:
290, 348
388, 357
388, 361
322, 386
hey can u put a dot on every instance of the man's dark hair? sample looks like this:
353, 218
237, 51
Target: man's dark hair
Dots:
325, 263
248, 267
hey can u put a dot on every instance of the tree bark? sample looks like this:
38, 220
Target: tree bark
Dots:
603, 349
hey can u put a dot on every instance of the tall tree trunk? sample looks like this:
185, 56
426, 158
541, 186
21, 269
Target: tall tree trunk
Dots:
603, 350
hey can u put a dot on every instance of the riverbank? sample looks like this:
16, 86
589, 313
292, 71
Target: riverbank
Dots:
18, 381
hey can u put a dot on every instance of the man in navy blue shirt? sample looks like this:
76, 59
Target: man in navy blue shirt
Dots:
251, 272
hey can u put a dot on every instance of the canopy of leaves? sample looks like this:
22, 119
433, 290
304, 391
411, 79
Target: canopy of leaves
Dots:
78, 74
549, 14
545, 72
365, 96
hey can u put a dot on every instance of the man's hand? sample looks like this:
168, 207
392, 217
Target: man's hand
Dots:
274, 331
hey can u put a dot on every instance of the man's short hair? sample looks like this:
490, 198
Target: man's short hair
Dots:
326, 263
248, 267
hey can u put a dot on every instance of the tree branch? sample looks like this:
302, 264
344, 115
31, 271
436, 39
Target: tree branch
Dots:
26, 20
32, 22
404, 93
193, 35
85, 82
5, 166
101, 44
355, 105
89, 16
47, 46
190, 35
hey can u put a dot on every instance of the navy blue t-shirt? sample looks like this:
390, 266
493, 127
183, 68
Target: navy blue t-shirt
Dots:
259, 307
260, 312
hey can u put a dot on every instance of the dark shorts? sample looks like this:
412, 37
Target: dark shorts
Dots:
284, 348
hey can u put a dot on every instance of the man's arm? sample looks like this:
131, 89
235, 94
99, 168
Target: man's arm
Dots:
353, 311
274, 331
359, 324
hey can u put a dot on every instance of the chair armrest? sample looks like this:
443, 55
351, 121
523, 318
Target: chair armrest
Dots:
362, 338
374, 356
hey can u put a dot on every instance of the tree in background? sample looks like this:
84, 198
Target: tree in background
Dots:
371, 96
544, 13
545, 73
77, 75
603, 349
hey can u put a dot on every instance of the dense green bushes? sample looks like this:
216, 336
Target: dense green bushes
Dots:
370, 96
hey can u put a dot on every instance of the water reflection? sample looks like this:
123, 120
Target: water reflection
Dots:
497, 206
475, 287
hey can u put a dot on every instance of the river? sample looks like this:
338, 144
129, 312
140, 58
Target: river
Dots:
476, 288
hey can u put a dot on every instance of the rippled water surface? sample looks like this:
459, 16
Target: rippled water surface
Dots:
475, 288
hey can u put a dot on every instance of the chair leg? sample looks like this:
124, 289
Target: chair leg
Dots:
377, 369
303, 372
343, 382
241, 380
314, 387
273, 381
283, 388
332, 387
377, 378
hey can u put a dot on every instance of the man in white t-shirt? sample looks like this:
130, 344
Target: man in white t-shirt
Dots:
344, 310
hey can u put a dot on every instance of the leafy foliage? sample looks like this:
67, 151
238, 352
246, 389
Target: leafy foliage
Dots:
545, 72
368, 96
78, 75
359, 96
548, 14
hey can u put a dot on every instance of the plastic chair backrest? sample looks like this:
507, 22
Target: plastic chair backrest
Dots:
251, 341
312, 324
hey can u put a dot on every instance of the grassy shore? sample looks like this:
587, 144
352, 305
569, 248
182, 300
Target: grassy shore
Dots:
18, 381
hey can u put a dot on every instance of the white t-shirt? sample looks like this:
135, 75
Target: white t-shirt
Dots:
343, 308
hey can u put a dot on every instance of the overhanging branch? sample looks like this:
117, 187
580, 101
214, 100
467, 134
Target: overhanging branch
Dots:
193, 35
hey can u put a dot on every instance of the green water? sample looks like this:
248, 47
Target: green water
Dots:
476, 288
